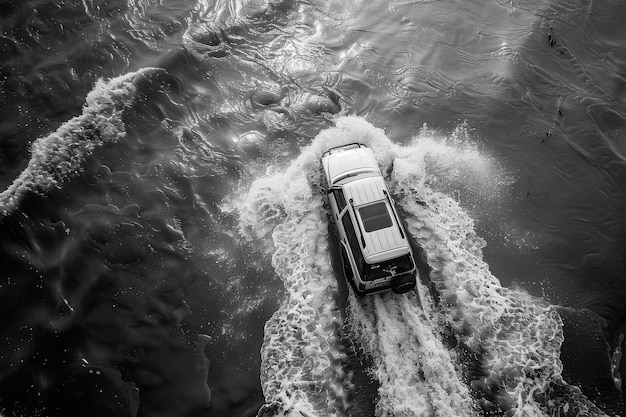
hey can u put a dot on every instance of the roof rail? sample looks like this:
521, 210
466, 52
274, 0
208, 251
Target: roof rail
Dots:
357, 223
347, 145
393, 210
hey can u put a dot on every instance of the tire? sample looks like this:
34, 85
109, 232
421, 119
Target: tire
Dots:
403, 283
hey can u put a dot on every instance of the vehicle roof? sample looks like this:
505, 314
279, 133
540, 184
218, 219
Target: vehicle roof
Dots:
354, 169
365, 190
380, 244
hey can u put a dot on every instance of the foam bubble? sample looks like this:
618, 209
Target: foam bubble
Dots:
62, 153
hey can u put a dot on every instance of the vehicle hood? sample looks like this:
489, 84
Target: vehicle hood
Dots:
342, 163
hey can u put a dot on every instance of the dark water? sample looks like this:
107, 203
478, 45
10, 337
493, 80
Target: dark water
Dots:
165, 247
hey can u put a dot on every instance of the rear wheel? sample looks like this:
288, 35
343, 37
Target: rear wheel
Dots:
403, 283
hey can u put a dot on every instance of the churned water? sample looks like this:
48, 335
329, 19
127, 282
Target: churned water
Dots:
164, 233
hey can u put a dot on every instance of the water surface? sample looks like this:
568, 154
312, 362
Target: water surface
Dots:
165, 242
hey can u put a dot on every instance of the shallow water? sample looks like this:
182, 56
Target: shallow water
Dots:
165, 242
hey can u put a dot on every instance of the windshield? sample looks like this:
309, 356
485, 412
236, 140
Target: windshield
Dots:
391, 267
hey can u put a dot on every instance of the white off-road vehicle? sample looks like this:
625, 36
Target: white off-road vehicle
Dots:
375, 252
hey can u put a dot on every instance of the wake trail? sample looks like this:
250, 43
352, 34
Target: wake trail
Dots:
515, 337
472, 347
304, 366
416, 372
303, 363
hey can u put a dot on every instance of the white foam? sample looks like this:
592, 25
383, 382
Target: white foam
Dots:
302, 362
61, 154
616, 360
520, 334
284, 211
456, 164
416, 373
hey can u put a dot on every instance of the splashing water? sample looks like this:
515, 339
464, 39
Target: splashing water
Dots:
302, 360
417, 374
515, 337
518, 337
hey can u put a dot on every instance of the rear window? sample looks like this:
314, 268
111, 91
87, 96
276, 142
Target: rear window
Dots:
375, 217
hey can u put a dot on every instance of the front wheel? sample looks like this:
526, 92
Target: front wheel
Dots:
403, 283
